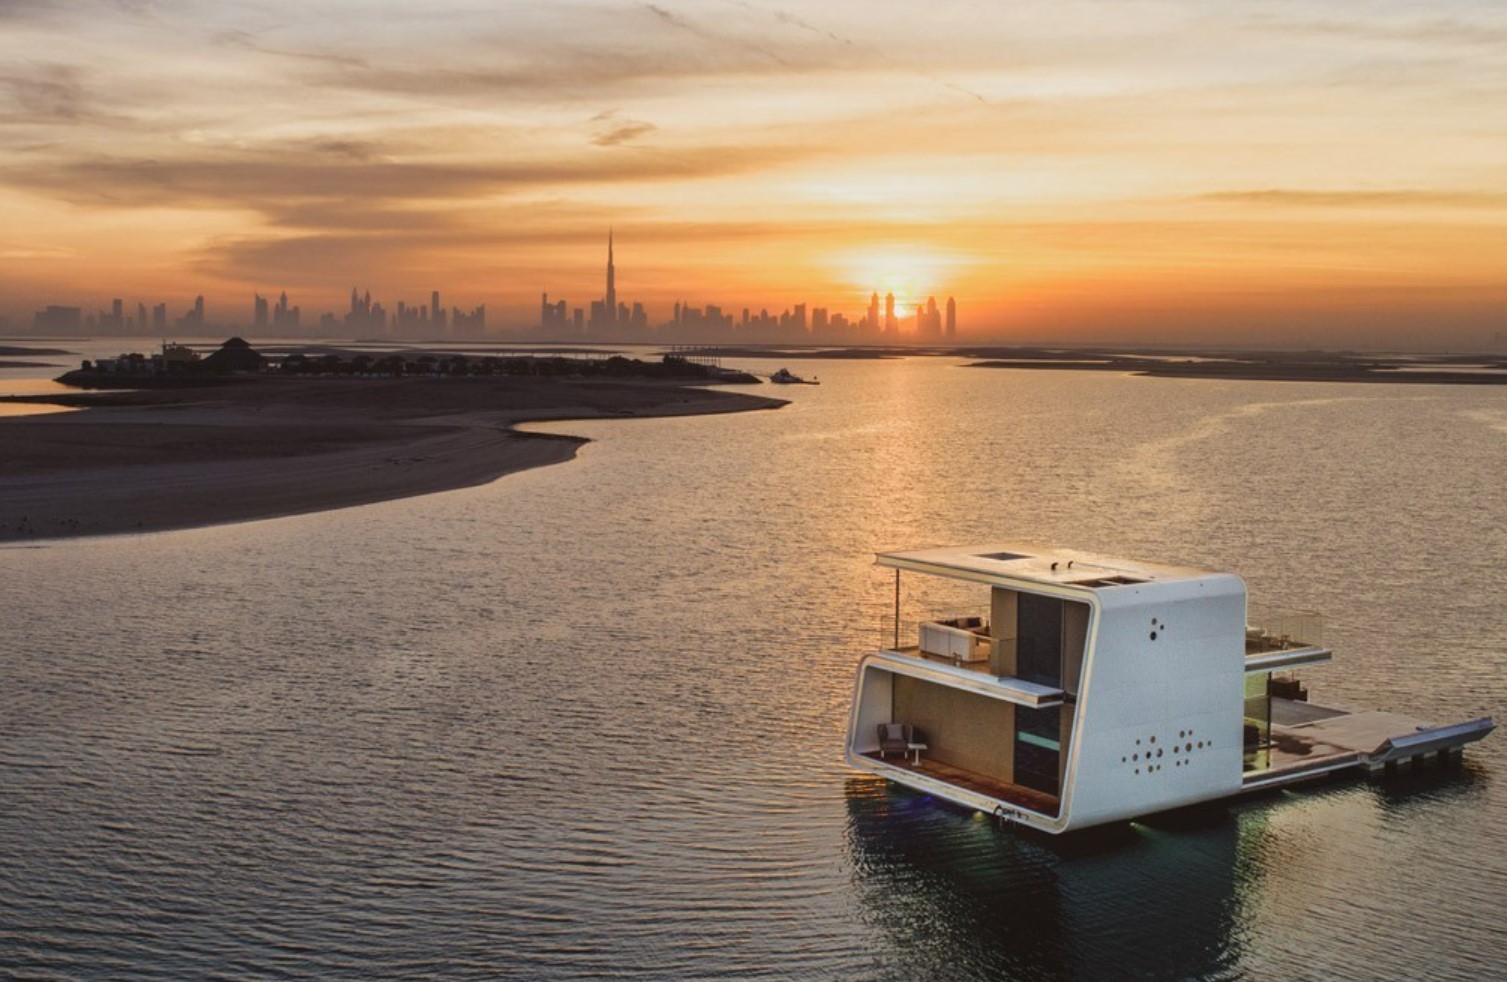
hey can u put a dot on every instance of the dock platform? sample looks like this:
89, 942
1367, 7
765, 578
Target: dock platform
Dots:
1309, 740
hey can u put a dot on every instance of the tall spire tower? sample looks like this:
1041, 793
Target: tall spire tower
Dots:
611, 299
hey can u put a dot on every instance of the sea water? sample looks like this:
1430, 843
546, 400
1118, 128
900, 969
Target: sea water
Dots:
587, 721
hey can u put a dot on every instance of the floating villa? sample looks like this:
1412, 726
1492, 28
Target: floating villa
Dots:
1090, 689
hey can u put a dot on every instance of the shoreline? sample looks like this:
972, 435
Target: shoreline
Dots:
148, 462
1253, 366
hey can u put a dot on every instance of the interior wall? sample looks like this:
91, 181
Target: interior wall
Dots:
959, 728
1004, 605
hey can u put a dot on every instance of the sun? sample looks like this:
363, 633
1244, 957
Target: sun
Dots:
911, 273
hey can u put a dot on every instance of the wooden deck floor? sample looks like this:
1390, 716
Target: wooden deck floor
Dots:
1036, 801
980, 665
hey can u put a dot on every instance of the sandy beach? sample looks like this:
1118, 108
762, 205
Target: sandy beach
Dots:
267, 446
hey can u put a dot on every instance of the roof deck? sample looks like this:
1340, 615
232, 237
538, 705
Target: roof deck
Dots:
1019, 562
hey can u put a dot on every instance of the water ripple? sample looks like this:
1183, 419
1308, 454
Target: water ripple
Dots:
586, 722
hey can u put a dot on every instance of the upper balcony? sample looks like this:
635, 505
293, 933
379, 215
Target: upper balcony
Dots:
957, 648
1279, 639
959, 637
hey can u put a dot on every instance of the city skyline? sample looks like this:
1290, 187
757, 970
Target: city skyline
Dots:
1157, 172
608, 318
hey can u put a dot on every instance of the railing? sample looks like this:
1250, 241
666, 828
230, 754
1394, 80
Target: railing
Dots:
959, 634
1274, 629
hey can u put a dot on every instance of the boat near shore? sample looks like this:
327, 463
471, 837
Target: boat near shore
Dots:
786, 377
1087, 689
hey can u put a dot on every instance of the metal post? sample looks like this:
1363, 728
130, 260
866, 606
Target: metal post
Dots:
897, 610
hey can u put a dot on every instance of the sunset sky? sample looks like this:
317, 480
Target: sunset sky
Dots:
1302, 172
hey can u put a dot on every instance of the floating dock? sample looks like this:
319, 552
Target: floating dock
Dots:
1308, 741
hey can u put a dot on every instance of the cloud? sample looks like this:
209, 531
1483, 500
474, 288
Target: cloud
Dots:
248, 41
13, 10
573, 69
267, 180
42, 253
1413, 31
614, 130
420, 241
313, 260
785, 17
49, 93
712, 37
804, 25
363, 150
1396, 198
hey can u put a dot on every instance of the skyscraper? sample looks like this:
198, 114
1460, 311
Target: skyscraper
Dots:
609, 302
284, 316
891, 325
952, 318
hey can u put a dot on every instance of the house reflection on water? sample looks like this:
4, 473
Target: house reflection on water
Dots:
951, 896
1265, 886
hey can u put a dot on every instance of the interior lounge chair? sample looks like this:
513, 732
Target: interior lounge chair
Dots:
894, 736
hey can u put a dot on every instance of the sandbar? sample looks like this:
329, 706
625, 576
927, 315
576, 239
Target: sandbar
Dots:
265, 446
1257, 366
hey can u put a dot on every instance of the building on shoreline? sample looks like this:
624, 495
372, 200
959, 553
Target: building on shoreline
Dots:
609, 318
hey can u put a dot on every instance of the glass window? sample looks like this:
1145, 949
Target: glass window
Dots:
1038, 748
1039, 644
1258, 721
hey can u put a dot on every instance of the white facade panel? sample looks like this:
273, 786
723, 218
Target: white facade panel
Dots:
1159, 721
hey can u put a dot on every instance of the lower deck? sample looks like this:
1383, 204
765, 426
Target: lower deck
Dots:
1307, 740
1014, 794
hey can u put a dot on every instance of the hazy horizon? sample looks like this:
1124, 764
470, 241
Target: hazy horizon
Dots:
1163, 172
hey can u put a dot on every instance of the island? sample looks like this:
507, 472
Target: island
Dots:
153, 452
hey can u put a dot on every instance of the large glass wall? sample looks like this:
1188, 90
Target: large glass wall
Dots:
1038, 748
1039, 645
1258, 721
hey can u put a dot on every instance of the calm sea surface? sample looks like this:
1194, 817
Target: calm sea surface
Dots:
588, 721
